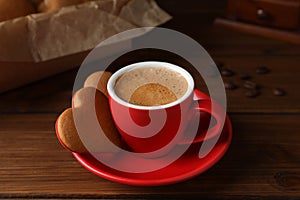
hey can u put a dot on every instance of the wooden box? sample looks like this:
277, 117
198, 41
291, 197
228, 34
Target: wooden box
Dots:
43, 44
284, 14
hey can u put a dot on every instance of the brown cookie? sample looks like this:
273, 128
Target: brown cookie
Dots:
10, 9
67, 132
54, 5
152, 94
94, 120
98, 80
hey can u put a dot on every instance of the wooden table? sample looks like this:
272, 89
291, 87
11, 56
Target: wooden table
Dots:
263, 160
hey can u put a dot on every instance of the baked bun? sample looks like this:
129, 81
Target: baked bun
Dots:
10, 9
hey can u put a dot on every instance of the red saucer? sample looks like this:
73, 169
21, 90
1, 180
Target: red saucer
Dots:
187, 166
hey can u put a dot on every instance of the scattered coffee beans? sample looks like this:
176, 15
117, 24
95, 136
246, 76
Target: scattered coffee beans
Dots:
262, 70
279, 92
253, 89
230, 86
227, 72
252, 93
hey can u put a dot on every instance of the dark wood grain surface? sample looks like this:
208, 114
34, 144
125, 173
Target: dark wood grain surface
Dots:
262, 162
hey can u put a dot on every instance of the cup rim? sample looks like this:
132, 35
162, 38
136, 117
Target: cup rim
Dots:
117, 74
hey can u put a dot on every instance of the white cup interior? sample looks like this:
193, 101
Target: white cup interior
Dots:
116, 75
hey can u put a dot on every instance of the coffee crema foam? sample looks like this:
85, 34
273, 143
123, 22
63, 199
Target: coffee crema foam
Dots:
150, 86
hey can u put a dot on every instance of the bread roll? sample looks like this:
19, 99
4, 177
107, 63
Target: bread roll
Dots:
10, 9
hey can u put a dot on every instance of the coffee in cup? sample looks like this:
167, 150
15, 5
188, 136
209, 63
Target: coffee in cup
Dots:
152, 104
151, 86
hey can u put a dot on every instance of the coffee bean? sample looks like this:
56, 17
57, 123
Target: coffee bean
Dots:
279, 92
230, 86
262, 70
250, 85
252, 93
245, 77
227, 72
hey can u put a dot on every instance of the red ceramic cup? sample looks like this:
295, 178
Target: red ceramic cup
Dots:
158, 129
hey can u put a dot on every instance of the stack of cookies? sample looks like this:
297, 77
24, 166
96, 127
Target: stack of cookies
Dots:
67, 131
